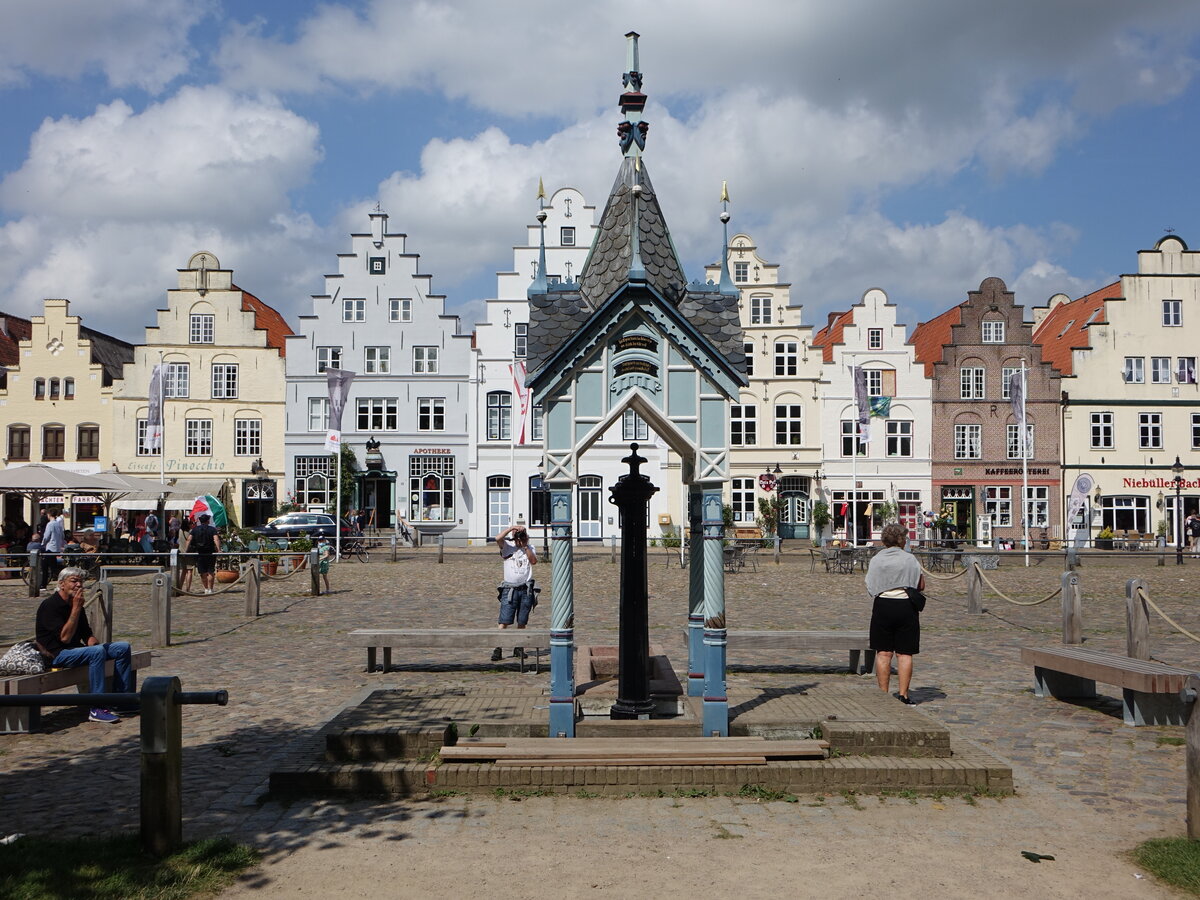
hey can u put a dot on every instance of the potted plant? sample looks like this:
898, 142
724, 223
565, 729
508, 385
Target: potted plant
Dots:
820, 518
1162, 532
300, 545
1104, 540
270, 560
227, 569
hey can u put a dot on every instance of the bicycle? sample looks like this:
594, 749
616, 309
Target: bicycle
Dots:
354, 548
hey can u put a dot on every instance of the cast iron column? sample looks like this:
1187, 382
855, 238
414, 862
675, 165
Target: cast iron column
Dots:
631, 494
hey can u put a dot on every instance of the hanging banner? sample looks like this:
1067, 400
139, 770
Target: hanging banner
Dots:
153, 438
863, 402
339, 381
521, 393
1016, 393
1079, 494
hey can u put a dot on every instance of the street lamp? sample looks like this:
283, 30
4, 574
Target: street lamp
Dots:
1177, 469
1095, 507
544, 493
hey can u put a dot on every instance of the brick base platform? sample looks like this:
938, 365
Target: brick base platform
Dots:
386, 745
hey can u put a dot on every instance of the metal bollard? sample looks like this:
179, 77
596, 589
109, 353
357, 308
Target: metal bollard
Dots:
441, 548
314, 568
612, 539
253, 587
35, 572
394, 548
173, 565
974, 589
778, 548
160, 610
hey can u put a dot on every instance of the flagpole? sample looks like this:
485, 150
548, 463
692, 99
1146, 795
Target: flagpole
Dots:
337, 519
1024, 431
513, 408
852, 529
162, 417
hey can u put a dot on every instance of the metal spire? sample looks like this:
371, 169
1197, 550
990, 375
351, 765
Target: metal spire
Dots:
726, 283
632, 131
539, 285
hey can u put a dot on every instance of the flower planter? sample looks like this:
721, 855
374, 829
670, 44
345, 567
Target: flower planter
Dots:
270, 567
226, 576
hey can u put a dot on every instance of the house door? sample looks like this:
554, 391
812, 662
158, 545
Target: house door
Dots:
258, 501
499, 504
589, 508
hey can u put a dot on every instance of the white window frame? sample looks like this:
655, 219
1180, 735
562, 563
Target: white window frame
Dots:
1037, 505
225, 381
899, 437
425, 360
748, 350
1013, 441
972, 383
743, 425
992, 331
202, 328
377, 360
1196, 431
247, 437
789, 424
1103, 430
1185, 369
197, 437
328, 358
566, 236
177, 380
376, 414
968, 441
1135, 370
399, 309
1150, 431
634, 427
520, 340
741, 272
874, 379
874, 338
1172, 313
537, 423
318, 414
1160, 370
431, 414
354, 309
1006, 374
760, 310
997, 502
499, 415
787, 357
741, 499
142, 425
850, 438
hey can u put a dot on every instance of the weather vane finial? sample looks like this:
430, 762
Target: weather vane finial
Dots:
632, 131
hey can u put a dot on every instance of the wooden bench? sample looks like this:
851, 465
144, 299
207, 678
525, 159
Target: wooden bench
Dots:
1150, 691
536, 641
22, 719
856, 643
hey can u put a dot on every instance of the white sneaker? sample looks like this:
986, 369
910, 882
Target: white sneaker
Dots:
208, 590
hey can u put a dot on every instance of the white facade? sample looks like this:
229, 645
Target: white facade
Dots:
505, 477
377, 318
895, 466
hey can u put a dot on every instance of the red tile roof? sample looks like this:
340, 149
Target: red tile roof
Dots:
1065, 327
268, 319
929, 339
832, 333
12, 331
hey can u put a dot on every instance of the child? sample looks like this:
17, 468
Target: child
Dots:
324, 557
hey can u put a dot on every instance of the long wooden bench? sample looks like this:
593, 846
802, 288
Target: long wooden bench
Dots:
856, 643
22, 719
1150, 691
536, 641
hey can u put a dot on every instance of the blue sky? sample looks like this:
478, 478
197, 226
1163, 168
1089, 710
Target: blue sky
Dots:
917, 146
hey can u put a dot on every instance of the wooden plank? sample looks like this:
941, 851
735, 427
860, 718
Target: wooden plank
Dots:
1146, 676
638, 761
451, 639
797, 640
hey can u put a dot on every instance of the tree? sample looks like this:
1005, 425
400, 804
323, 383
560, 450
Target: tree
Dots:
770, 511
349, 468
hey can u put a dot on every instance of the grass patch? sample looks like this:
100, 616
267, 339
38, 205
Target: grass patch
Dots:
1168, 741
766, 795
115, 867
694, 792
851, 799
1173, 860
520, 794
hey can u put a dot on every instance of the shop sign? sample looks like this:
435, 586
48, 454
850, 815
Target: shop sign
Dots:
1166, 484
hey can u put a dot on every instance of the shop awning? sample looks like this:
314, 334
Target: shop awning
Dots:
181, 495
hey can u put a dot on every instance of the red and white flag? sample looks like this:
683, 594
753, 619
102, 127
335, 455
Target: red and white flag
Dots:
521, 392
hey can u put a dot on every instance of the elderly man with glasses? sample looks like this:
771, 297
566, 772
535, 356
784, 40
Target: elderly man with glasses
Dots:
66, 637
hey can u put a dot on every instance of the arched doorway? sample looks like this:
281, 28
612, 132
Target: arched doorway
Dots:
794, 506
591, 526
499, 493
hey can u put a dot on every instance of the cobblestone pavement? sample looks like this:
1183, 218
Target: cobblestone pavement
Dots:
288, 672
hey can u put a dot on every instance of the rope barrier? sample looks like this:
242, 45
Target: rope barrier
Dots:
1142, 593
229, 587
943, 577
296, 571
1004, 596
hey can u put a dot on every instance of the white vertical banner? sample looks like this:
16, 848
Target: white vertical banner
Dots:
863, 402
521, 406
339, 381
153, 438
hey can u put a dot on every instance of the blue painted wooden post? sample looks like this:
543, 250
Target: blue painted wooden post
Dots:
562, 616
695, 534
716, 703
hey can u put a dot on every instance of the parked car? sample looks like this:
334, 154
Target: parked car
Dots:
298, 524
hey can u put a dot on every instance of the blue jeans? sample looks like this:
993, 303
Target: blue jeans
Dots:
94, 658
516, 602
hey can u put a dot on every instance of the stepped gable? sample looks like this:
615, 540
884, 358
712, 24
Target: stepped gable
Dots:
608, 265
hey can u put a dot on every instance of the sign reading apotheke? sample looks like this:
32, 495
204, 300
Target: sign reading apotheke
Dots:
179, 465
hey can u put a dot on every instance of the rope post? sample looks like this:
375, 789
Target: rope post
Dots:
441, 548
974, 589
314, 571
162, 766
1137, 620
1072, 558
612, 540
1192, 732
173, 565
105, 591
160, 609
253, 587
778, 547
393, 548
1072, 609
35, 572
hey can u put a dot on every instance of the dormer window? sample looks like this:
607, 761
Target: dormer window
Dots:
741, 271
874, 338
201, 329
993, 331
566, 237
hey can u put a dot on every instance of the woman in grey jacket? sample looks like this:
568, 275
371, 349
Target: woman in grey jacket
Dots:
895, 622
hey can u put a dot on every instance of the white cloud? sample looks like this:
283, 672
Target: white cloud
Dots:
202, 154
135, 43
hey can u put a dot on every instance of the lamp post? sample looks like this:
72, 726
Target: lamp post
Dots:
544, 493
1177, 469
1096, 506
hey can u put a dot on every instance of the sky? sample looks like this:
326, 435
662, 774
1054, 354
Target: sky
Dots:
918, 147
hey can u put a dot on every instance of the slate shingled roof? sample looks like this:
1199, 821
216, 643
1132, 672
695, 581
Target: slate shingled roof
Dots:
715, 315
111, 353
554, 316
607, 266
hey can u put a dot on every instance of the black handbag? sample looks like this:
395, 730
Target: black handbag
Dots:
916, 598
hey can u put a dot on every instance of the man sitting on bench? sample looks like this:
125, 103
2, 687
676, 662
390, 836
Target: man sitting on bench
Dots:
66, 637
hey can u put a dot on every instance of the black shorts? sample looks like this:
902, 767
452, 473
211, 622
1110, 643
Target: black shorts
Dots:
895, 626
206, 563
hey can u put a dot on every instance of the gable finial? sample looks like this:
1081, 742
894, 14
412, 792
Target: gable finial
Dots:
540, 284
632, 131
541, 195
726, 283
